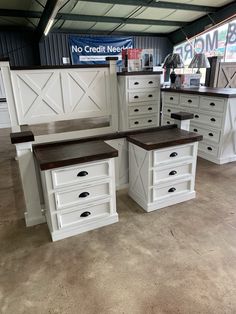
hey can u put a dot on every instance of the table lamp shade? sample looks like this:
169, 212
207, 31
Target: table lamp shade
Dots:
199, 61
173, 61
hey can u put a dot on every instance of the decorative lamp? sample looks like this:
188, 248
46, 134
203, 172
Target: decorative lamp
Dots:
173, 61
199, 61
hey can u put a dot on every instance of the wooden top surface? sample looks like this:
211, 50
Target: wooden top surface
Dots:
205, 91
139, 73
165, 138
59, 156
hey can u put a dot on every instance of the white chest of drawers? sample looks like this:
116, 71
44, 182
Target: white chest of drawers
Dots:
79, 197
164, 176
139, 101
4, 114
214, 118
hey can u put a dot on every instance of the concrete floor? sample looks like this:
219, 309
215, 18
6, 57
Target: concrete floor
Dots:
180, 259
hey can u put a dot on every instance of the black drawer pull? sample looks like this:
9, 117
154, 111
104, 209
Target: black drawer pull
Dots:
196, 116
82, 174
136, 110
171, 98
150, 82
195, 130
190, 101
171, 190
150, 108
136, 97
174, 154
167, 122
209, 148
210, 134
212, 104
173, 173
85, 214
149, 121
136, 122
150, 96
136, 83
213, 119
84, 194
169, 110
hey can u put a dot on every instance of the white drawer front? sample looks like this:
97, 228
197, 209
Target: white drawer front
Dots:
143, 96
211, 120
172, 173
208, 148
79, 174
173, 154
77, 217
167, 110
81, 195
166, 120
189, 100
143, 82
143, 122
171, 98
214, 104
171, 190
142, 109
210, 134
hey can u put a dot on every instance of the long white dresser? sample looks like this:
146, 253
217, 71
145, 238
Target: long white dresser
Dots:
139, 100
78, 186
214, 112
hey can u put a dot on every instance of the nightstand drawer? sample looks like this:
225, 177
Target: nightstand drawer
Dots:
214, 104
173, 154
208, 148
210, 120
143, 82
142, 96
210, 134
142, 109
76, 196
143, 122
168, 110
166, 120
83, 216
80, 174
189, 100
171, 190
171, 98
172, 173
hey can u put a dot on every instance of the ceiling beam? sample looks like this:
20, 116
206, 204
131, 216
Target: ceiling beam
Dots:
160, 4
118, 20
20, 13
201, 24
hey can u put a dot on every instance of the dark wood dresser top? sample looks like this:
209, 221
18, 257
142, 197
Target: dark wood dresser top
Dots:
165, 138
59, 156
204, 91
134, 73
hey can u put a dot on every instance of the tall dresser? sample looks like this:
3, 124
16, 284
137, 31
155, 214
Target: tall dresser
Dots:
139, 100
214, 112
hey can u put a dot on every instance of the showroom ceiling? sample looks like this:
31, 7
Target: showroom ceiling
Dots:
107, 16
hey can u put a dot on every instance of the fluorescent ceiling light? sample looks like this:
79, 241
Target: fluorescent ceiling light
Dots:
48, 27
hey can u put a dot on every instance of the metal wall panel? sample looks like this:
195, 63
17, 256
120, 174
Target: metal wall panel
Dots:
19, 47
55, 46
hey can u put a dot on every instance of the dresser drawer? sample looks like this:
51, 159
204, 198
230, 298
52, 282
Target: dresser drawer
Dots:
168, 110
172, 154
171, 190
83, 216
166, 120
171, 98
76, 196
143, 82
210, 134
211, 120
80, 174
208, 148
214, 104
189, 101
142, 122
142, 96
172, 173
142, 109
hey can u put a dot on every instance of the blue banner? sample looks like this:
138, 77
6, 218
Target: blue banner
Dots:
94, 50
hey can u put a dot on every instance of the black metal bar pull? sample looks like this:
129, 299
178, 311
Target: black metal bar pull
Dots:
85, 214
84, 194
174, 154
82, 174
173, 173
171, 190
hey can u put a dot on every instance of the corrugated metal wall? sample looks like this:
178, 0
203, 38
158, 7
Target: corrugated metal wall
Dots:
19, 47
55, 46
